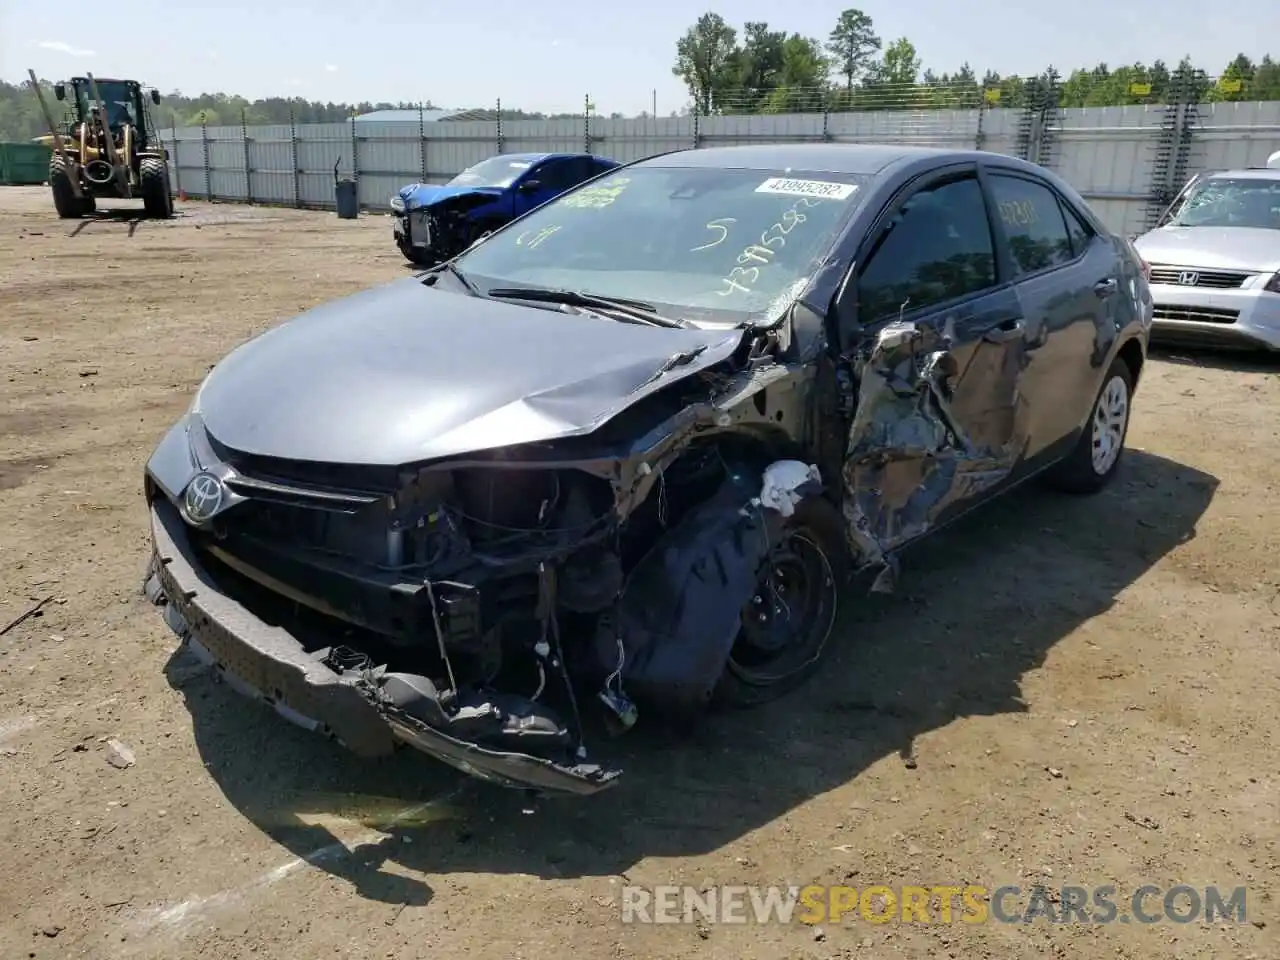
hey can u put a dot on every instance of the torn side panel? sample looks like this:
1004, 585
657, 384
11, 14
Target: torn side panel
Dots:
936, 423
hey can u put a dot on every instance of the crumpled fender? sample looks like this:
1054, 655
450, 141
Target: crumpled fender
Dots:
679, 613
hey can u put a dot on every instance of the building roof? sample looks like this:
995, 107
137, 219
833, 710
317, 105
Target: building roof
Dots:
413, 115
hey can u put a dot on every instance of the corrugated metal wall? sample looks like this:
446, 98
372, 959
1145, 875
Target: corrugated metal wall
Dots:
1108, 153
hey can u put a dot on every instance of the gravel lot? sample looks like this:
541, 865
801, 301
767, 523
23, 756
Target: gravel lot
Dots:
1068, 691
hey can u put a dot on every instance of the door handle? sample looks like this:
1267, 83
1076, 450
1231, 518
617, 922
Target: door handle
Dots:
1006, 331
1105, 288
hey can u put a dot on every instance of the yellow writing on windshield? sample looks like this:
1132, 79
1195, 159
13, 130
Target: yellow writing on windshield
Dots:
599, 196
1018, 213
719, 230
743, 277
532, 238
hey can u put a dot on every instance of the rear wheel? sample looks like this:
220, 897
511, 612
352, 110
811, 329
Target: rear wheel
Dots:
157, 202
788, 621
1096, 457
65, 201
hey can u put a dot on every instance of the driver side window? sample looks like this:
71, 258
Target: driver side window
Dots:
938, 249
554, 175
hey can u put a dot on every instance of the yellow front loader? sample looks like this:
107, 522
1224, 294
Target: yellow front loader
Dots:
109, 148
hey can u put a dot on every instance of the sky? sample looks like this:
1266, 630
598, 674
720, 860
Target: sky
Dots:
470, 54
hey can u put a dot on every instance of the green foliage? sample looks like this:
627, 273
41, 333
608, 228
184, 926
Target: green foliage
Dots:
20, 117
771, 72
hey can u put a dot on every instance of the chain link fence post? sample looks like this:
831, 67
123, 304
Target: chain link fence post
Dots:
208, 170
177, 159
248, 169
293, 151
422, 141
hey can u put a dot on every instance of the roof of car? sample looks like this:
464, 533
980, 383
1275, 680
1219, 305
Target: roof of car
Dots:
1251, 173
534, 157
856, 158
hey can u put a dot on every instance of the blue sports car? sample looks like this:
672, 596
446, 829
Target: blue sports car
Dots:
434, 223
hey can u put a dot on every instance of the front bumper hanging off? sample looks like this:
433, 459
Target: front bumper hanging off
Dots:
412, 229
269, 664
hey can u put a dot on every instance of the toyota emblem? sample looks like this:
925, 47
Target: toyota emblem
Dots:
203, 497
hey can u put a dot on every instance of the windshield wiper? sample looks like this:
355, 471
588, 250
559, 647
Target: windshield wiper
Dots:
631, 311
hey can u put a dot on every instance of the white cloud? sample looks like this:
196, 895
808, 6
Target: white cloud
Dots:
59, 46
555, 43
294, 82
330, 68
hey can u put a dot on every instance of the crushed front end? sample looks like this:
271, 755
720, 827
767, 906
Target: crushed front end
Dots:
433, 224
481, 610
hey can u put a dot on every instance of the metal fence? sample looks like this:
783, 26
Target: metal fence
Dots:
1128, 161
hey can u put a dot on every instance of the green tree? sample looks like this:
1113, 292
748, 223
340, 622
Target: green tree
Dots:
890, 83
707, 60
759, 64
1235, 83
853, 45
1266, 80
802, 80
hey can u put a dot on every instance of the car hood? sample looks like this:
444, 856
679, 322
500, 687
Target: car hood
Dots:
1214, 248
403, 373
416, 195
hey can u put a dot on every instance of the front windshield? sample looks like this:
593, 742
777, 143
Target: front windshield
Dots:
1232, 202
703, 243
116, 97
494, 172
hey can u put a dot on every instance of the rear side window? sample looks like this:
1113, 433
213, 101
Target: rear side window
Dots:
938, 249
1081, 233
1033, 222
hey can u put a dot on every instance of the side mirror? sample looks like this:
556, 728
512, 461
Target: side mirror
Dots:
531, 186
155, 95
60, 91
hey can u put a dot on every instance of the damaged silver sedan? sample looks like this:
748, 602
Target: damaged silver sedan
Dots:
620, 457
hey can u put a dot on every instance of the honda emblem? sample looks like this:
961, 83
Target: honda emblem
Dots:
1188, 278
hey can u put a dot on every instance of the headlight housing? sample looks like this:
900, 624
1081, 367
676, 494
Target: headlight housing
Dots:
397, 204
1273, 284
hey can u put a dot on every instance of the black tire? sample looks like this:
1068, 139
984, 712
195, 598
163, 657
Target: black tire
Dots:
157, 202
814, 559
1080, 471
65, 201
415, 254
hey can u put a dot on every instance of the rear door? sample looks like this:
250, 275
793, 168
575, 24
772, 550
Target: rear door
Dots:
939, 422
1069, 286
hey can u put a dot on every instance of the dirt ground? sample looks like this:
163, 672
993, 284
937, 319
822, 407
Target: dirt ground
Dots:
1067, 691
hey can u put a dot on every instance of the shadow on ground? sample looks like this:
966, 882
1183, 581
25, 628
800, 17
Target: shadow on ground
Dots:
129, 217
1240, 361
979, 605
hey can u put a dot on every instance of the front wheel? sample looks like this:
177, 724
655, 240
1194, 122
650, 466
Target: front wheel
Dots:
414, 254
157, 202
787, 622
1096, 457
65, 201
